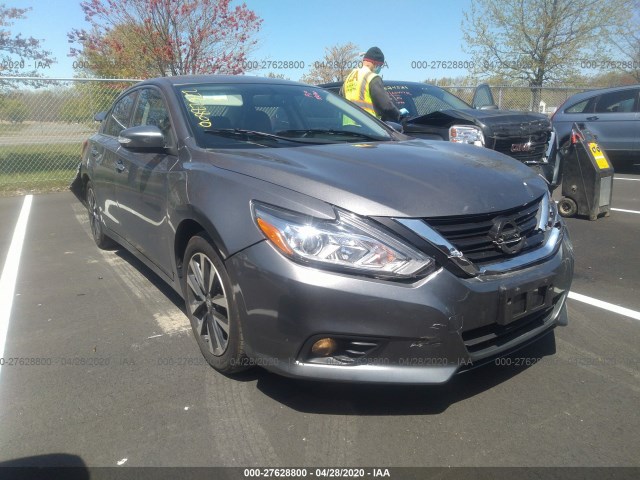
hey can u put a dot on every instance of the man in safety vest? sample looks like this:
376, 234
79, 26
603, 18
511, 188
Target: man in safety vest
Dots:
364, 87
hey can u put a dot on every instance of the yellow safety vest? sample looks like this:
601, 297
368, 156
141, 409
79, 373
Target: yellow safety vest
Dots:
356, 89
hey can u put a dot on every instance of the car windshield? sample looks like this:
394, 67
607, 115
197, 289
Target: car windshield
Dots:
423, 99
271, 115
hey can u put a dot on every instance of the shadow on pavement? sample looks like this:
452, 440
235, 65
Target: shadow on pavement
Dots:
53, 465
150, 275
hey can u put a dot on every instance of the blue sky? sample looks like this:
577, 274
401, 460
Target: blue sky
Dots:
298, 31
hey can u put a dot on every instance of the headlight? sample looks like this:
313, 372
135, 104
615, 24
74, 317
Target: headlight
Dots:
466, 134
554, 216
547, 216
348, 243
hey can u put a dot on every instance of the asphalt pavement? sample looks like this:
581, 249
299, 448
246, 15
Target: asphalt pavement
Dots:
100, 363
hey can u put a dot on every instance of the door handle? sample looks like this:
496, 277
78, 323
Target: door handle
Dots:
595, 117
120, 166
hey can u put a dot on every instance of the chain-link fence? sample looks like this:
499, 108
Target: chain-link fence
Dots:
543, 100
43, 123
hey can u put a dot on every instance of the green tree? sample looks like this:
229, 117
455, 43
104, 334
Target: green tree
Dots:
84, 100
540, 41
121, 53
14, 110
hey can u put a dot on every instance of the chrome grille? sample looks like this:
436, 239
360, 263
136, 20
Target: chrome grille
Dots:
535, 153
535, 132
470, 233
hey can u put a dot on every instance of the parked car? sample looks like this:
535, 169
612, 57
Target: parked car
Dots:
612, 115
319, 249
437, 114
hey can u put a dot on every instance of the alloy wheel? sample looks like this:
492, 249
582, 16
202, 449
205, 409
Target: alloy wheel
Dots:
94, 214
207, 301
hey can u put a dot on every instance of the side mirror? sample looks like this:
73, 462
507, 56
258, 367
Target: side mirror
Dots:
100, 116
396, 126
143, 137
489, 107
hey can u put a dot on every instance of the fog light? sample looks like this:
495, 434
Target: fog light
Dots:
324, 347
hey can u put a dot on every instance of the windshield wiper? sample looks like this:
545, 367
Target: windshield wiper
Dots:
341, 133
247, 134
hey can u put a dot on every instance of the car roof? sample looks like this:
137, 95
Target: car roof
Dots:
386, 82
598, 91
199, 79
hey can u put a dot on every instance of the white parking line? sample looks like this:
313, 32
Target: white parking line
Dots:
623, 210
627, 312
10, 271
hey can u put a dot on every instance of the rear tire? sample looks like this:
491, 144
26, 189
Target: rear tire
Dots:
95, 221
211, 307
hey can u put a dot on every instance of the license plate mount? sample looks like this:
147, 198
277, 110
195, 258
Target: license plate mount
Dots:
518, 302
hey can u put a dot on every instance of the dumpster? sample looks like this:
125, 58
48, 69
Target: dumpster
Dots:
587, 176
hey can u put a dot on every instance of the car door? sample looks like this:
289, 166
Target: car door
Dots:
483, 98
141, 183
615, 121
635, 154
103, 157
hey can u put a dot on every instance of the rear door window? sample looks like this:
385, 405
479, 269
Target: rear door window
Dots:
617, 102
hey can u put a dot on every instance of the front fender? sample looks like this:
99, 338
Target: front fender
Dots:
220, 201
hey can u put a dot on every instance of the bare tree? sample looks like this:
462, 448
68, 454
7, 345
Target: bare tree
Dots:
280, 76
20, 55
626, 43
533, 42
337, 63
460, 81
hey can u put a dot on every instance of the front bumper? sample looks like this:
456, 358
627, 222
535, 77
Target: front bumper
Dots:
423, 333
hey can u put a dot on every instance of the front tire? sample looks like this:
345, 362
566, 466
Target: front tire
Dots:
211, 308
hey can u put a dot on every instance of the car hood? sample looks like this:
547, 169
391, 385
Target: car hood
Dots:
524, 122
413, 178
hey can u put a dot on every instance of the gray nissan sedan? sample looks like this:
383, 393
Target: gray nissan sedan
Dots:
309, 238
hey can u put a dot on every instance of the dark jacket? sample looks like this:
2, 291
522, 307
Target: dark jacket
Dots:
382, 103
